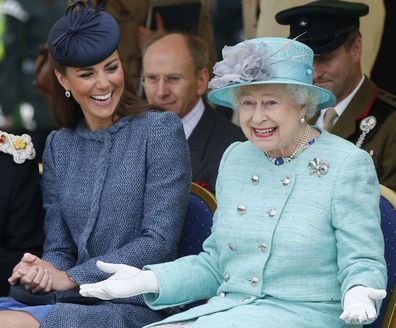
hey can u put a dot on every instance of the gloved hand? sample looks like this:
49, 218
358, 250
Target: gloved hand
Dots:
359, 304
126, 281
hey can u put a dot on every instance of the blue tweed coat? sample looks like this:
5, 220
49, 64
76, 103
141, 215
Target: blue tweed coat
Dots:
117, 195
286, 244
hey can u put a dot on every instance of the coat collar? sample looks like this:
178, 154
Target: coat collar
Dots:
359, 108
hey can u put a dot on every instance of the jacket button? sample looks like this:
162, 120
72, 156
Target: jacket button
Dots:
222, 294
226, 277
241, 209
271, 212
263, 247
255, 179
232, 246
254, 281
285, 181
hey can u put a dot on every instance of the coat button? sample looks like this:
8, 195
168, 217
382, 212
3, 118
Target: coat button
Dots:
254, 281
241, 209
232, 246
255, 179
222, 294
285, 181
271, 212
226, 277
263, 247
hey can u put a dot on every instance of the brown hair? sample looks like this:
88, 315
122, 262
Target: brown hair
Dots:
351, 39
66, 112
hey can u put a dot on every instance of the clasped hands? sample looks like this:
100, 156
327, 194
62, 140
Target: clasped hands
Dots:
126, 281
39, 276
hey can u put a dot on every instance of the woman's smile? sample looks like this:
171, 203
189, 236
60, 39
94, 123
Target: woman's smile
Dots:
264, 132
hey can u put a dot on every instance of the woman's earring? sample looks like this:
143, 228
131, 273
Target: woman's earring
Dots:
302, 120
67, 94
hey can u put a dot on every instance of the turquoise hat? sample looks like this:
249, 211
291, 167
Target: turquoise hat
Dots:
265, 61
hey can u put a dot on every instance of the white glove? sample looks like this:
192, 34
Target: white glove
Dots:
359, 304
126, 281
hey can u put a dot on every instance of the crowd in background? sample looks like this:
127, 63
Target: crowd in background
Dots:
24, 26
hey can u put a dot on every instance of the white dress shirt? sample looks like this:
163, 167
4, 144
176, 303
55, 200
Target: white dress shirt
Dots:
191, 120
340, 107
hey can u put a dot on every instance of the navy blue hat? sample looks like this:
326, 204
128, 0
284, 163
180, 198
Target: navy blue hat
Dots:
323, 25
83, 36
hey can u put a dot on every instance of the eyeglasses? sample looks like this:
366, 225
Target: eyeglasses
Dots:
153, 79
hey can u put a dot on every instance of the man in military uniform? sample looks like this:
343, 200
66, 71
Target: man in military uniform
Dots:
21, 212
364, 114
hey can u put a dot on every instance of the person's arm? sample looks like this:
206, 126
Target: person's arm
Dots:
174, 283
21, 214
387, 163
59, 248
356, 220
192, 278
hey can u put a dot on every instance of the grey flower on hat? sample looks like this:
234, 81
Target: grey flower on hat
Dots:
246, 62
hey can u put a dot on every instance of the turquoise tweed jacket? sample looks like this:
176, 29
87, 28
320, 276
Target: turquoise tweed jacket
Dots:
287, 242
117, 195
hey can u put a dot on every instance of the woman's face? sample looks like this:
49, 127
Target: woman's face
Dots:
270, 119
97, 89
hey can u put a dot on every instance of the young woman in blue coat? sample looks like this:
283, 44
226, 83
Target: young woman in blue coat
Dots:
296, 238
116, 181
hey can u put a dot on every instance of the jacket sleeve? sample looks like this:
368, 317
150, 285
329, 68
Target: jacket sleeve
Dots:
21, 214
56, 230
194, 277
356, 219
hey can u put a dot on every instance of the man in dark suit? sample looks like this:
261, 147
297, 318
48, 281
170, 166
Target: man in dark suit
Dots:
175, 77
364, 114
21, 212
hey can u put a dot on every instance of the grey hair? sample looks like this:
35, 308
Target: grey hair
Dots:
300, 94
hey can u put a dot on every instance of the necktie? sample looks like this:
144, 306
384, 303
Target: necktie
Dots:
328, 120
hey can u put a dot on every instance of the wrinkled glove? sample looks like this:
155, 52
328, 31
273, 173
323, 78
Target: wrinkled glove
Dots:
359, 304
126, 281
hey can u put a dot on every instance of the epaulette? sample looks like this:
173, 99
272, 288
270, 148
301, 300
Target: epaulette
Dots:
20, 147
387, 97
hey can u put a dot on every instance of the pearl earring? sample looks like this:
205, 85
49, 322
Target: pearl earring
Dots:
67, 94
302, 120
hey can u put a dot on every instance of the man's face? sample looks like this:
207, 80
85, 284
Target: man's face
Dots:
170, 77
339, 70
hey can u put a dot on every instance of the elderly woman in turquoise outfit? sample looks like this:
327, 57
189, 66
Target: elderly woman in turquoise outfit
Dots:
296, 238
115, 182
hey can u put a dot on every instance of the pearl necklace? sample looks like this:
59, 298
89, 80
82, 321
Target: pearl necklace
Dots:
302, 144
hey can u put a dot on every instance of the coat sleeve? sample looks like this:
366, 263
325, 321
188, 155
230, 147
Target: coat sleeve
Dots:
193, 277
21, 215
168, 177
356, 219
58, 237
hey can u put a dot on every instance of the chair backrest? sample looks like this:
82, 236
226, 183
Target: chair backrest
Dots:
388, 226
390, 314
198, 221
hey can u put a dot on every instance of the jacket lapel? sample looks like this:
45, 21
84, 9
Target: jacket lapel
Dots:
358, 108
199, 140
